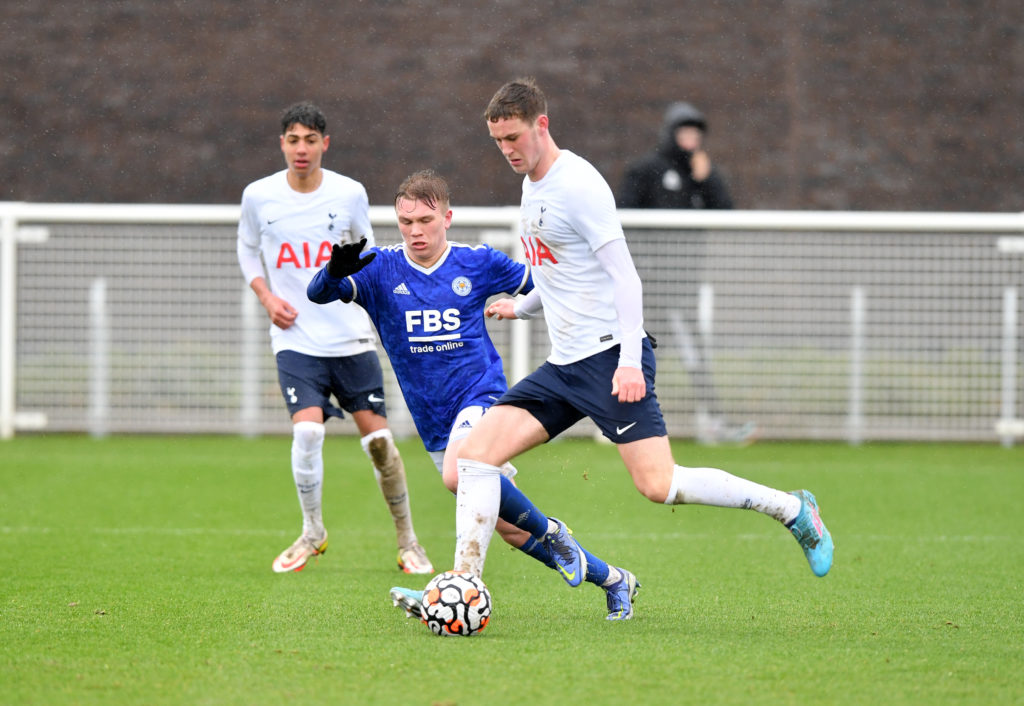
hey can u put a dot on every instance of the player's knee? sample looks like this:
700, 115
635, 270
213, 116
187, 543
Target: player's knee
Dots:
512, 535
308, 436
307, 440
380, 447
450, 476
652, 486
469, 450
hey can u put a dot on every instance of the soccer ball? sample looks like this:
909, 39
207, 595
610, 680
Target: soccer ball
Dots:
456, 603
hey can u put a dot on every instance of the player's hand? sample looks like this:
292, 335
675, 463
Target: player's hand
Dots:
281, 313
345, 259
629, 384
501, 309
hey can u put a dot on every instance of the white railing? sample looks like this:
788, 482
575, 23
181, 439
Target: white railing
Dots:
820, 325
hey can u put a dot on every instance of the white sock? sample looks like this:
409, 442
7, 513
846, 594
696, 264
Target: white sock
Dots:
476, 512
614, 575
711, 486
308, 471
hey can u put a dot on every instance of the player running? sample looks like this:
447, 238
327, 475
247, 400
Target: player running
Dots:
293, 218
601, 363
426, 296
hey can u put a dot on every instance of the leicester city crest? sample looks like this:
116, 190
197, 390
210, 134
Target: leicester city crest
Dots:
462, 286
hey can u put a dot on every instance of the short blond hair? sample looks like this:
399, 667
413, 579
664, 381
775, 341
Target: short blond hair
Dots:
427, 186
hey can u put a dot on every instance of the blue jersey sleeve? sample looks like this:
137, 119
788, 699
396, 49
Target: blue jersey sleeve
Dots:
507, 275
323, 288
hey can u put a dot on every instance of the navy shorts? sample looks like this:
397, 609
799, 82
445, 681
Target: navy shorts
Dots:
308, 381
558, 396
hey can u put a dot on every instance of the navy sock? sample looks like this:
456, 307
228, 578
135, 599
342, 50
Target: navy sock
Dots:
516, 509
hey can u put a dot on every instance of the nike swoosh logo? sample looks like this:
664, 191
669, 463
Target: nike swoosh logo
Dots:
292, 563
622, 430
374, 398
566, 574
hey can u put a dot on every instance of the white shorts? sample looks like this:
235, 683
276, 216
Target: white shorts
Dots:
464, 423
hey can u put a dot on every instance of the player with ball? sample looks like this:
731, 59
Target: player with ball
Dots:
601, 364
426, 297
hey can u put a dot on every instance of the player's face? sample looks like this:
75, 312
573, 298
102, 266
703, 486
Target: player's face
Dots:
523, 144
303, 150
424, 229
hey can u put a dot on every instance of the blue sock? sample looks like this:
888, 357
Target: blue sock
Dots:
516, 509
597, 570
537, 549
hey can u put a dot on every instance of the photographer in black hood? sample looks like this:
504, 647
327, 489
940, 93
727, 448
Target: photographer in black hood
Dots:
679, 174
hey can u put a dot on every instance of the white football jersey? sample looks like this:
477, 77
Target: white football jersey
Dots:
564, 218
294, 232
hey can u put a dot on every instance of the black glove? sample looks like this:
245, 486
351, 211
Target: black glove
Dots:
345, 259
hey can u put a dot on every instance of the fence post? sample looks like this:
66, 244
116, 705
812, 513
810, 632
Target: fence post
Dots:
1009, 377
855, 420
8, 292
99, 359
248, 365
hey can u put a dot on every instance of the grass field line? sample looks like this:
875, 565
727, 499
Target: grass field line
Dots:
614, 536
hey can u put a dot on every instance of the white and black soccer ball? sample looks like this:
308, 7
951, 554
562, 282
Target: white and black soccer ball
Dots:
456, 603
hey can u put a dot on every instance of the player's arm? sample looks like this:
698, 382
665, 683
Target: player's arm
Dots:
628, 381
334, 280
528, 307
281, 313
513, 278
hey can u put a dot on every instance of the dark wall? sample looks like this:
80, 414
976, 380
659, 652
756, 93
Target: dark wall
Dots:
813, 104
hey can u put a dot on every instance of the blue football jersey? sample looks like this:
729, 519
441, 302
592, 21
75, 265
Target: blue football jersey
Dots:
431, 323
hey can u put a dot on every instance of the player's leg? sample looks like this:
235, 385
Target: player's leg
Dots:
308, 473
536, 407
308, 467
520, 523
389, 471
551, 542
358, 383
638, 430
501, 434
660, 479
301, 386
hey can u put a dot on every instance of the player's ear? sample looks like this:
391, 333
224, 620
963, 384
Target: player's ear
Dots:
327, 142
542, 122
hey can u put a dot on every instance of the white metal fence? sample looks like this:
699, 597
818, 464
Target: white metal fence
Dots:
815, 325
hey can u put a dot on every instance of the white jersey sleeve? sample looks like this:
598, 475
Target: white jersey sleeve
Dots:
618, 263
248, 246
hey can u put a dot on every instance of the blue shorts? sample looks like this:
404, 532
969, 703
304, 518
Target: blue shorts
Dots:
308, 381
558, 396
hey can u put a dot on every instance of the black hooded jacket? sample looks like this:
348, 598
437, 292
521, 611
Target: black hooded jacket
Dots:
663, 179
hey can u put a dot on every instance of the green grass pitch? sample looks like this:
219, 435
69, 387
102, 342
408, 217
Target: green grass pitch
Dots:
136, 570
